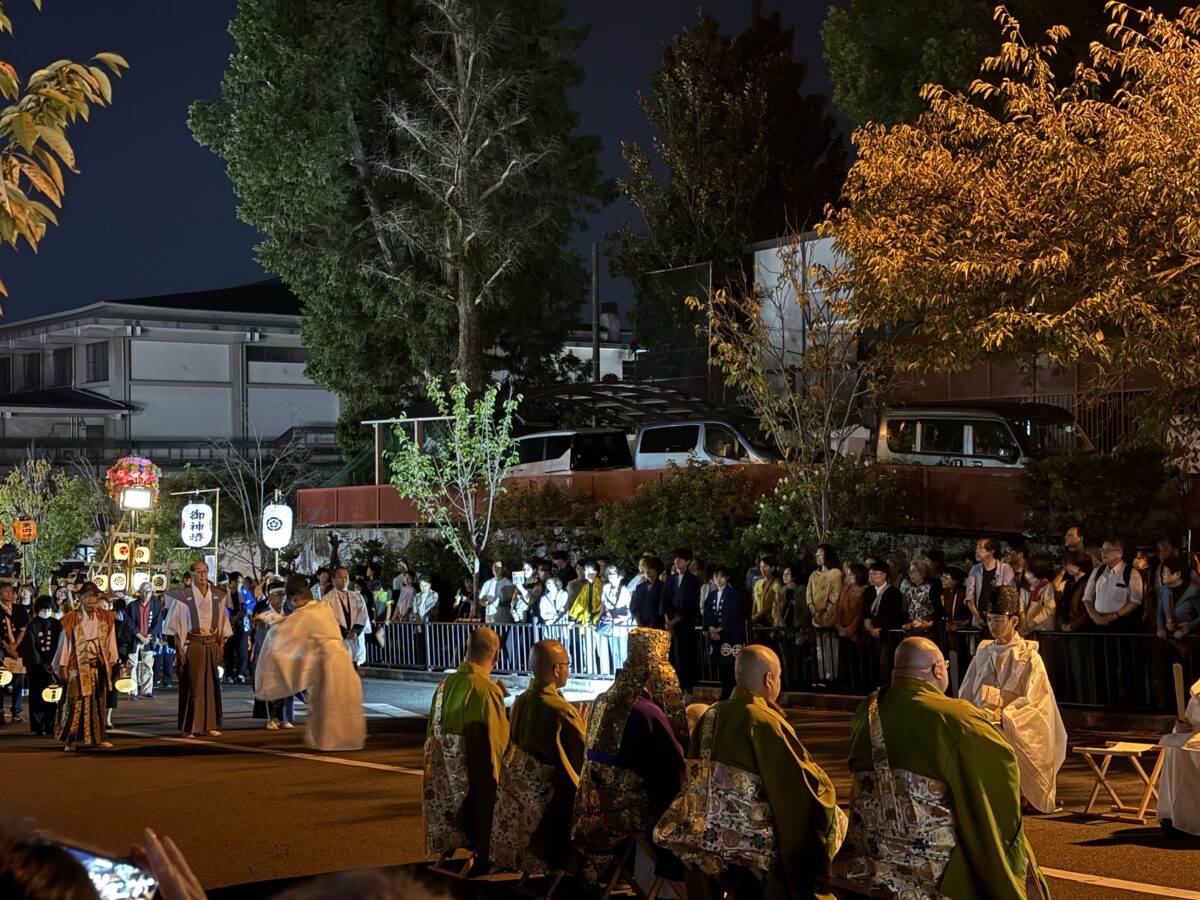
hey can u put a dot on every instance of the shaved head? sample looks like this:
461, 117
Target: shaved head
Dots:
545, 658
483, 647
919, 657
757, 669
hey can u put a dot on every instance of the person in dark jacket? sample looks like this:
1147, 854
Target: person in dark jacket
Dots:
41, 640
725, 622
646, 605
681, 612
883, 612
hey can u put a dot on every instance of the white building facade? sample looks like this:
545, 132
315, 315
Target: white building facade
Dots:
160, 375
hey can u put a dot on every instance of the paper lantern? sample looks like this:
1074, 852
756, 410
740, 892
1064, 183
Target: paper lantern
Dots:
118, 581
196, 525
159, 582
277, 526
24, 530
139, 578
53, 693
141, 554
124, 685
101, 582
5, 677
121, 550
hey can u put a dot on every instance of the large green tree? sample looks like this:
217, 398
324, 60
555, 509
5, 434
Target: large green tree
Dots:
882, 52
301, 124
741, 153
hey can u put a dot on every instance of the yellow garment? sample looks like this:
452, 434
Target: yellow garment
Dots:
824, 588
589, 604
767, 596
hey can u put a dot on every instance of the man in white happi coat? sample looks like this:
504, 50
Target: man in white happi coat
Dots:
199, 623
350, 611
304, 651
1179, 782
1007, 680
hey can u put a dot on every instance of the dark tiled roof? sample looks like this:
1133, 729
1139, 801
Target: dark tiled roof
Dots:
269, 297
60, 398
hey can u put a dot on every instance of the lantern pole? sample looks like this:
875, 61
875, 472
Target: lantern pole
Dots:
216, 544
276, 552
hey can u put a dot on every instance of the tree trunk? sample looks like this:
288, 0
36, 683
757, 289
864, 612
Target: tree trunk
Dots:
470, 337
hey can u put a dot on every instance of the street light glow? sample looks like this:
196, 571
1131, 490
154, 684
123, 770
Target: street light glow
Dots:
137, 498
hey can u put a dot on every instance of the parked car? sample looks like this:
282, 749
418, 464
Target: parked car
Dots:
707, 440
986, 435
578, 450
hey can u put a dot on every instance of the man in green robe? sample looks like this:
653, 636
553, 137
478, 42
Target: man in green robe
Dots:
750, 733
550, 730
472, 706
956, 764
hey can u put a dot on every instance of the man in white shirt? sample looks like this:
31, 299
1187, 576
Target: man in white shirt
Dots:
350, 611
495, 591
198, 621
1114, 591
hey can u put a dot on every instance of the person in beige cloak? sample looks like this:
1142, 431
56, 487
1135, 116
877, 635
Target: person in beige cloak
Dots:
1007, 680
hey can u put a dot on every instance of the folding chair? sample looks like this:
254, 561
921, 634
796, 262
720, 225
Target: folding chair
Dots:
1133, 752
453, 868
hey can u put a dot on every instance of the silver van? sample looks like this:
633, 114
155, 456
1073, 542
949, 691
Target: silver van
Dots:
706, 440
986, 435
577, 450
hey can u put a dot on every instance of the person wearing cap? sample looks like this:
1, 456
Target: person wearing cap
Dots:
84, 661
199, 623
1007, 680
41, 640
305, 652
955, 778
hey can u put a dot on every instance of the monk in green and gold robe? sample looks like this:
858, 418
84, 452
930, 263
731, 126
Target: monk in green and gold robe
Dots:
943, 757
550, 731
468, 717
751, 734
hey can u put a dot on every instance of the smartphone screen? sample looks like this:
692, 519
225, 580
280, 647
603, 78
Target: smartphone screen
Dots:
115, 879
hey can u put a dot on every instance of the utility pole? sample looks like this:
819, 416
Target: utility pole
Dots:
595, 313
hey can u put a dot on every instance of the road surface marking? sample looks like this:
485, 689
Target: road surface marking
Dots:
313, 757
1120, 885
390, 711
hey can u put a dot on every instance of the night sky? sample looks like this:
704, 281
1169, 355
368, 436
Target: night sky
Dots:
152, 212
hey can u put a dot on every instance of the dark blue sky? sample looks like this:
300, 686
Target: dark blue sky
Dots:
152, 212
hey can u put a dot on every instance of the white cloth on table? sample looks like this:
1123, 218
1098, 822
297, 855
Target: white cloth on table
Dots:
1011, 678
305, 651
1179, 781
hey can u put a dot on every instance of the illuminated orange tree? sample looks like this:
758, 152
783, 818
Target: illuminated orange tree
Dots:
1041, 221
33, 145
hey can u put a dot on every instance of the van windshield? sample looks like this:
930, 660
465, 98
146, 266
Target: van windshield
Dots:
1041, 436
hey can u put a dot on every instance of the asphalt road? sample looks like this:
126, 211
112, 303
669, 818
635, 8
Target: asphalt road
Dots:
255, 805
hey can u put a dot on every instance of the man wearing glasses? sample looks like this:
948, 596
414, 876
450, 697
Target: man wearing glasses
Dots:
952, 775
1114, 591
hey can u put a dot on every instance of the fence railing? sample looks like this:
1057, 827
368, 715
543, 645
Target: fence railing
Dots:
1119, 672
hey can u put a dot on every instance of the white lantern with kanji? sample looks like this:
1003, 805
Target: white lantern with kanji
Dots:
196, 525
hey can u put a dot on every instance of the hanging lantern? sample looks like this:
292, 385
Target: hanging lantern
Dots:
53, 693
121, 550
196, 525
118, 581
5, 677
277, 526
24, 530
124, 685
158, 581
141, 554
101, 582
139, 578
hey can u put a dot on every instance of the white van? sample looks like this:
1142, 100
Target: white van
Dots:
577, 450
706, 440
985, 435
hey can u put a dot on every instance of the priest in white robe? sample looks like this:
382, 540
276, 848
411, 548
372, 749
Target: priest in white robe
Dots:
350, 610
1179, 781
305, 651
1007, 680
